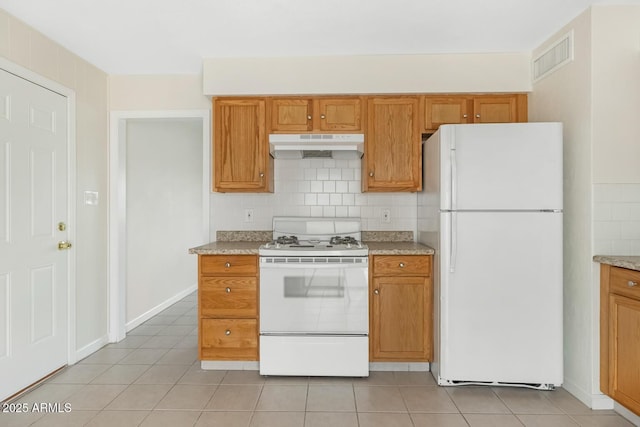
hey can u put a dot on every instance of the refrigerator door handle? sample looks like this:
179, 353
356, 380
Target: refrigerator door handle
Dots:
454, 242
454, 180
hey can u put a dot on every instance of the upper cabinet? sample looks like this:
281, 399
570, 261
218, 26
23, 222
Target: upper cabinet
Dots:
320, 114
241, 161
455, 109
392, 159
393, 128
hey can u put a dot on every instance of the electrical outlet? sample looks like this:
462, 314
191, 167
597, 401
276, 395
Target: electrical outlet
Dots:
248, 215
386, 215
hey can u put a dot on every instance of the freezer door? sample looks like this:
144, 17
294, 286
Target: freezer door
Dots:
501, 297
515, 166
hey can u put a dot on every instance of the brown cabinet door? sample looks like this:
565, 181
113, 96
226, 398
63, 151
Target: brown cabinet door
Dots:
339, 114
495, 109
446, 110
228, 339
232, 297
402, 265
240, 147
291, 115
228, 265
401, 319
624, 351
392, 145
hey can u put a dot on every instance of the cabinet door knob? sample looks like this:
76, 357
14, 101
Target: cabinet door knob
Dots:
631, 283
227, 264
227, 332
322, 116
309, 117
401, 265
477, 116
261, 174
371, 173
228, 290
464, 116
376, 291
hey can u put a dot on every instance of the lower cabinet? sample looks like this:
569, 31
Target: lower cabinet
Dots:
620, 335
401, 308
228, 307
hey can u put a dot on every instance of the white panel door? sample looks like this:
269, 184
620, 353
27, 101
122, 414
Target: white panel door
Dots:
33, 201
516, 166
501, 297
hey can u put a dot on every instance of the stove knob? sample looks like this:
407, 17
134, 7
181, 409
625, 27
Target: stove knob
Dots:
359, 245
348, 245
278, 245
267, 245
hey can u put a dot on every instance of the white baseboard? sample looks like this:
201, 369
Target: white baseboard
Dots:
594, 401
229, 365
399, 366
92, 347
630, 416
157, 309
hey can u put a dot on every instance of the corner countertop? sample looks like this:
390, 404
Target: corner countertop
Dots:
630, 262
251, 248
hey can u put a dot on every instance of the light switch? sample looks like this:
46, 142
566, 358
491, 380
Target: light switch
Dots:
91, 198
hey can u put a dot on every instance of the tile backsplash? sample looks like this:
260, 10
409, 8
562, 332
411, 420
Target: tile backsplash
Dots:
616, 219
313, 187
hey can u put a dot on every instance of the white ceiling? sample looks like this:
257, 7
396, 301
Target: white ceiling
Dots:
172, 36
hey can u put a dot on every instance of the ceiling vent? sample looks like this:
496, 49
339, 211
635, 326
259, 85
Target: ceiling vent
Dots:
555, 57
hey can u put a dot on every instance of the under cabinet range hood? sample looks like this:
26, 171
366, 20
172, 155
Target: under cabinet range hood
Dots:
326, 145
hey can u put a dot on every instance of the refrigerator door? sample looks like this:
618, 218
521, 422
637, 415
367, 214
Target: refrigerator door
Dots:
515, 166
500, 298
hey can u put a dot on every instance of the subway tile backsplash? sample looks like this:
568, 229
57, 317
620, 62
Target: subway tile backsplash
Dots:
616, 219
313, 187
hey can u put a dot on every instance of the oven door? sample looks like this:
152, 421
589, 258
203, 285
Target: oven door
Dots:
314, 296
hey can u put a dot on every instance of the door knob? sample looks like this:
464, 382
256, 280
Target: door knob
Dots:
227, 264
376, 291
62, 245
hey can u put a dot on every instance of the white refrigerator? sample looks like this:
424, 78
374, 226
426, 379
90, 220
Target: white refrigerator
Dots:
492, 209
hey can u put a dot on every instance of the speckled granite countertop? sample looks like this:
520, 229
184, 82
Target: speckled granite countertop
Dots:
630, 262
227, 248
398, 248
248, 242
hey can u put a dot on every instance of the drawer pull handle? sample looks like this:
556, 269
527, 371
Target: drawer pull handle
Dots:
631, 283
227, 332
228, 290
401, 265
227, 264
376, 291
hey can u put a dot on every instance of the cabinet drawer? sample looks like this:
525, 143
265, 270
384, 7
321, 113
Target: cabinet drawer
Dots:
625, 282
402, 265
227, 265
228, 339
228, 297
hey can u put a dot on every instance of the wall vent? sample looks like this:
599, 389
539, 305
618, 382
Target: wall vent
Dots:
555, 57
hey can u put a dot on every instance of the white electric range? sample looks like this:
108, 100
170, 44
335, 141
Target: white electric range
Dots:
314, 310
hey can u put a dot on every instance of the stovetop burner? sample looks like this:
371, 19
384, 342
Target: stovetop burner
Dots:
343, 240
287, 240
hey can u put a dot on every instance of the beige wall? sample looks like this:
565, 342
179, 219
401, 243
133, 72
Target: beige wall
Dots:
597, 97
508, 72
616, 94
157, 92
28, 48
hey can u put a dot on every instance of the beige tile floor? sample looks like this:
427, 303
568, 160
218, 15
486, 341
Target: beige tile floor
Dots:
152, 378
